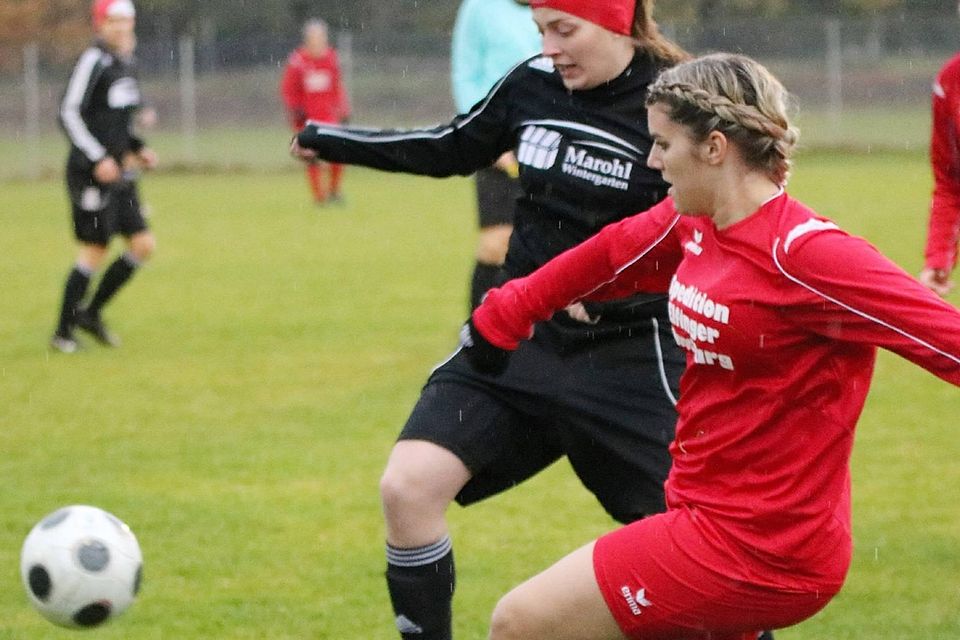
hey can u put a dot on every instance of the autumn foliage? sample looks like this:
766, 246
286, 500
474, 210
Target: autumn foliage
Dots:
61, 28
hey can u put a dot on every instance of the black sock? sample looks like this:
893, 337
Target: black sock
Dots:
73, 292
485, 277
421, 583
115, 277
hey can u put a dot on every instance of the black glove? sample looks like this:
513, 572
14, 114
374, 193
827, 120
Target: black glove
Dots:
483, 356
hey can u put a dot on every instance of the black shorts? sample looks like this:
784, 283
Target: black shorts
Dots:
100, 212
609, 409
497, 195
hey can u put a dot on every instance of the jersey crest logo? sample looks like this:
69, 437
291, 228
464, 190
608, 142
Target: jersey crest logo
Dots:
317, 81
583, 152
123, 93
538, 147
693, 246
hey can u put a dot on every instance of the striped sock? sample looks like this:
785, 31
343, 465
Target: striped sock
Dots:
421, 583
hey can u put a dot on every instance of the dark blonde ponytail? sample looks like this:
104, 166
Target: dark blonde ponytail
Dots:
647, 34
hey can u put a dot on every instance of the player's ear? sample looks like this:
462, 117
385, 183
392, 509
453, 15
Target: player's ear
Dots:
714, 148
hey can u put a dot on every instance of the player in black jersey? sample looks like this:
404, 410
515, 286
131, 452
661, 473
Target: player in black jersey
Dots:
596, 384
105, 157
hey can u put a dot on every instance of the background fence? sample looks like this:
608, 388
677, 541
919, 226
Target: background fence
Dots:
859, 83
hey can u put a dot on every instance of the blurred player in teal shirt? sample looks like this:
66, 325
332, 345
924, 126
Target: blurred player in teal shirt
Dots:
489, 38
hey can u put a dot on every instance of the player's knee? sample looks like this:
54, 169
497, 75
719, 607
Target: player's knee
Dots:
92, 256
511, 620
403, 487
142, 246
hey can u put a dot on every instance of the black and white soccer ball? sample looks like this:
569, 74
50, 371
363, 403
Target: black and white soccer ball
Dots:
81, 566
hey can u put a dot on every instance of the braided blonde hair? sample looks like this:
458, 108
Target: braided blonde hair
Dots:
737, 96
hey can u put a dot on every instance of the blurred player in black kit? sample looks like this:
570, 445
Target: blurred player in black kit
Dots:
489, 38
597, 384
105, 156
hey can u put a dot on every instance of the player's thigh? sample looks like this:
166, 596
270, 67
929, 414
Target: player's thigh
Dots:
92, 209
618, 421
131, 221
476, 420
561, 603
666, 578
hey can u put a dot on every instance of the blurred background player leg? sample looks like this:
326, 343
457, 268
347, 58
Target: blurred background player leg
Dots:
498, 189
140, 246
336, 177
315, 180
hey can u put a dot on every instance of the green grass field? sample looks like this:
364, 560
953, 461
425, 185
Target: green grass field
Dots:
272, 351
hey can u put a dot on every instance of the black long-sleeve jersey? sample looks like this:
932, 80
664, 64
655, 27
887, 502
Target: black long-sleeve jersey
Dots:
97, 108
582, 157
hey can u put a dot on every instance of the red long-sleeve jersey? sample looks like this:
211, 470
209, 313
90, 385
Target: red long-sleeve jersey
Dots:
944, 227
780, 314
312, 88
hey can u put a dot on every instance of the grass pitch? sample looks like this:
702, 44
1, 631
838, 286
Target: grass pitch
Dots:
272, 351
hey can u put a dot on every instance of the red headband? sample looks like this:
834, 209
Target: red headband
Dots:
103, 9
613, 15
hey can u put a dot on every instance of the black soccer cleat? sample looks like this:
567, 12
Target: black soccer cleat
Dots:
93, 324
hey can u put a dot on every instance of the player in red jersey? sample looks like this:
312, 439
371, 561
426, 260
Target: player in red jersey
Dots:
781, 313
940, 256
312, 89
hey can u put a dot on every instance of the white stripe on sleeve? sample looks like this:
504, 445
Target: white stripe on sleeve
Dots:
73, 122
858, 312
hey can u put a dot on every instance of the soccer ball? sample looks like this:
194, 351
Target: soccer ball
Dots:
81, 566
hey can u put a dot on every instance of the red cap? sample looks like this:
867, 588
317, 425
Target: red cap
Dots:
103, 9
613, 15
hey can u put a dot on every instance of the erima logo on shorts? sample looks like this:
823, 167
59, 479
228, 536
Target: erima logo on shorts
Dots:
636, 602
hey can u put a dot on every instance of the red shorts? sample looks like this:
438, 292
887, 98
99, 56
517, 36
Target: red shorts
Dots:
656, 578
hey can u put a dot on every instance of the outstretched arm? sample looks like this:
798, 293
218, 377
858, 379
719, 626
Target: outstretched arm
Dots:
639, 253
470, 142
943, 233
854, 293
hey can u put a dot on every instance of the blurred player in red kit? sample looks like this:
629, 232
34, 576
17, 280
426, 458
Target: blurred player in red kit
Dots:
312, 89
940, 256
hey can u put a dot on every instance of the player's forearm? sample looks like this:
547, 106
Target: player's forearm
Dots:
943, 230
508, 313
438, 152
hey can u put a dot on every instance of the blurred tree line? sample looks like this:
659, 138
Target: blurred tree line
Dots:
65, 23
